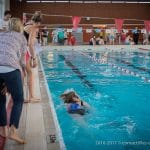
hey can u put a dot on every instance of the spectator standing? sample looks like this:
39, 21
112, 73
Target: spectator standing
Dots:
45, 36
123, 37
30, 32
136, 35
72, 40
54, 37
13, 46
4, 22
61, 37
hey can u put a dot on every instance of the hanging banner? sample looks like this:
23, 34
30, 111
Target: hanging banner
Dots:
119, 24
24, 19
147, 25
143, 31
108, 31
79, 30
75, 21
125, 30
88, 30
69, 30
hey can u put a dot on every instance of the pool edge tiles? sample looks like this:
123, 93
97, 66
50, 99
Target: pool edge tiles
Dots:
141, 48
55, 119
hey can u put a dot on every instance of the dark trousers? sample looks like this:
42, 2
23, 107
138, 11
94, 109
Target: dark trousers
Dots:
14, 85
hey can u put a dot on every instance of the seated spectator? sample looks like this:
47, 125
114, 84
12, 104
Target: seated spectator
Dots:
123, 37
145, 39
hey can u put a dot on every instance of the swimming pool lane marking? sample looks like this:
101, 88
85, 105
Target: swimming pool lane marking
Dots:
78, 73
135, 67
145, 49
132, 65
58, 129
117, 67
128, 71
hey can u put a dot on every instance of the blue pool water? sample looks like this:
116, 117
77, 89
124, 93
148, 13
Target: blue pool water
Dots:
117, 87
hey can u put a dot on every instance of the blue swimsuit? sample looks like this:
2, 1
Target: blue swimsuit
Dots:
75, 108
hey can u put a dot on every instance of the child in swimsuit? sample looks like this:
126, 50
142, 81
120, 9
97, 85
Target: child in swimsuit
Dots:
74, 104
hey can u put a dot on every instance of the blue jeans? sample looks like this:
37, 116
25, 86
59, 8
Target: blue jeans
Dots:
14, 85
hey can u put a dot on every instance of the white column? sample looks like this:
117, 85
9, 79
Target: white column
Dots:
4, 5
7, 4
1, 8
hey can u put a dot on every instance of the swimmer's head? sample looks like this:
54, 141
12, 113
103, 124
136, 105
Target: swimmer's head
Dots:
69, 97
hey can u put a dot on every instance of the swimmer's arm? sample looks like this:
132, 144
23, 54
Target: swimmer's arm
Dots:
86, 105
23, 52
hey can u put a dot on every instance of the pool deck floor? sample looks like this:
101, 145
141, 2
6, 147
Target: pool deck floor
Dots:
37, 122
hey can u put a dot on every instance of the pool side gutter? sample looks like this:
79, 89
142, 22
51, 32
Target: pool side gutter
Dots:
143, 48
55, 119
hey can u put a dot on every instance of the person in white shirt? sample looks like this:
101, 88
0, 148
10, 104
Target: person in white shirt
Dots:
4, 22
101, 41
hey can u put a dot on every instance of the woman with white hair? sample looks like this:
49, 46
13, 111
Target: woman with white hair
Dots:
13, 46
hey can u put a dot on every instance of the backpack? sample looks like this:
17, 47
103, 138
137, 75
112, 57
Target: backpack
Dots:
61, 36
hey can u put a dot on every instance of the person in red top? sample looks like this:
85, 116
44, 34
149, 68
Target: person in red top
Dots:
72, 40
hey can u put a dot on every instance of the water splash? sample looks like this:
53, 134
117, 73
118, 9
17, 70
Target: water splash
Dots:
98, 95
69, 90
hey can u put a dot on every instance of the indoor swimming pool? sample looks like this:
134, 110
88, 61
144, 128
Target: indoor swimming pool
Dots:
117, 87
